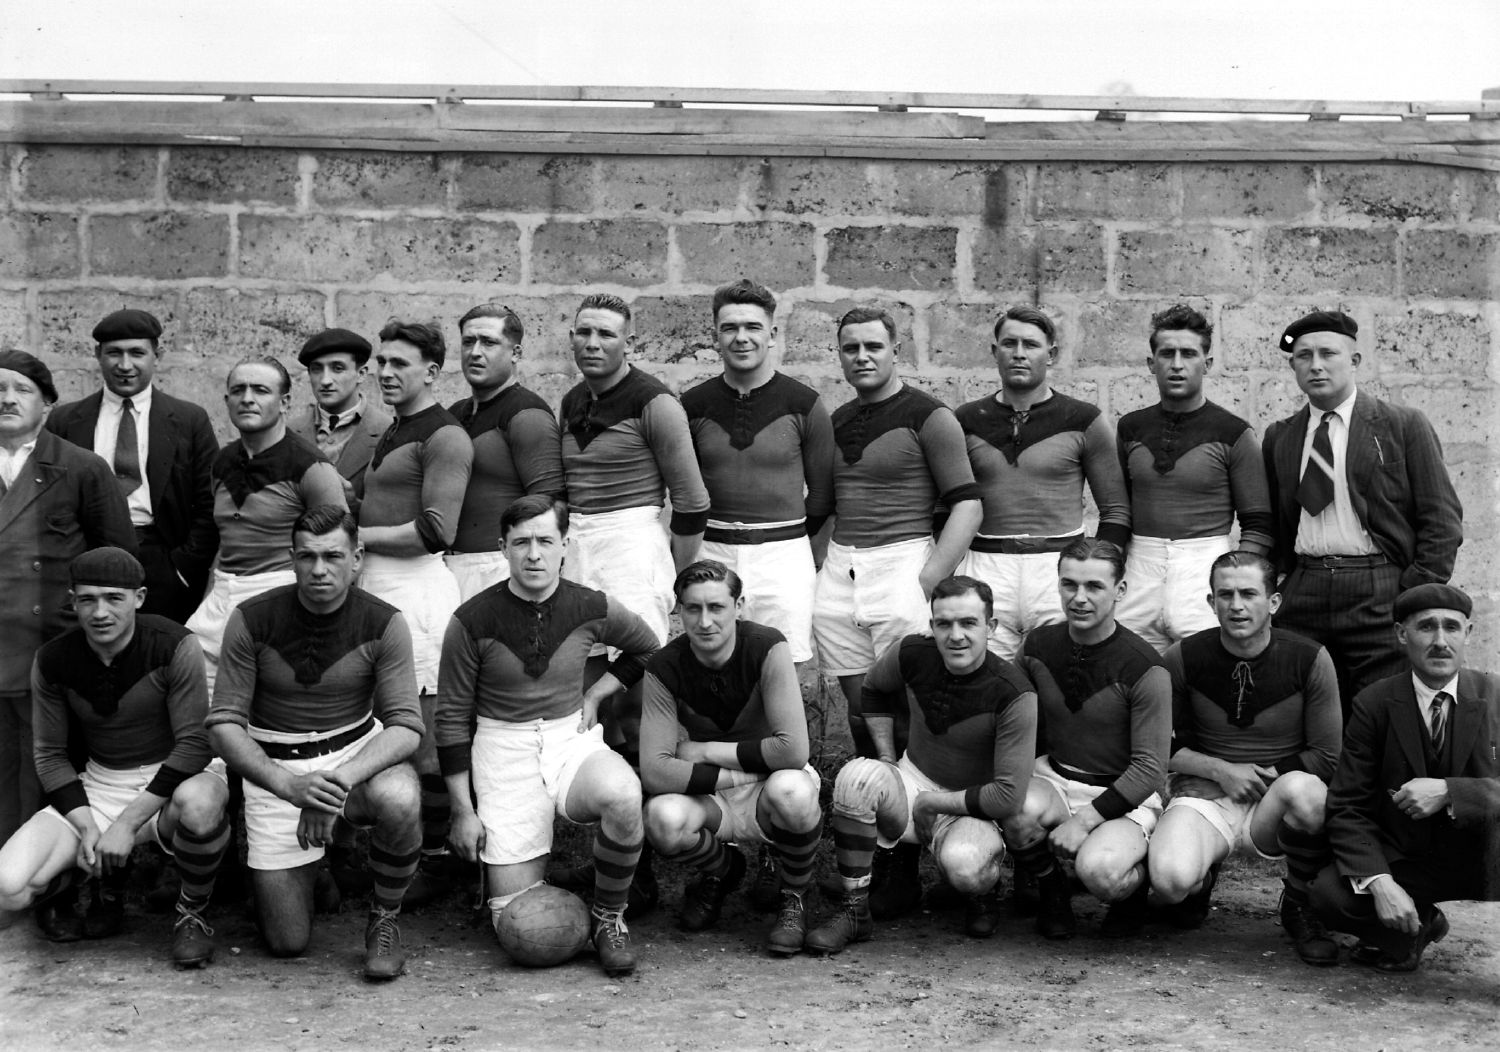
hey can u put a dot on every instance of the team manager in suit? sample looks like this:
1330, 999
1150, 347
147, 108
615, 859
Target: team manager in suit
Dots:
164, 473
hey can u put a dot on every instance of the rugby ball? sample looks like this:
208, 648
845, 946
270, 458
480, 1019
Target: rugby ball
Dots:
543, 926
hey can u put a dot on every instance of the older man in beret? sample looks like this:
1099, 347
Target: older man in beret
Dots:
1363, 506
1414, 806
56, 502
162, 450
344, 426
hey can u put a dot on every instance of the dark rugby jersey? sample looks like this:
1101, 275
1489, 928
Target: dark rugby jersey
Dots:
627, 447
1277, 709
1190, 474
144, 707
894, 460
508, 658
1106, 711
754, 701
285, 668
975, 732
256, 500
766, 455
418, 474
517, 450
1031, 466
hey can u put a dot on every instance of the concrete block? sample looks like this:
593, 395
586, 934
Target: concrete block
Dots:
962, 188
810, 331
891, 257
960, 335
950, 390
673, 329
65, 317
1477, 483
524, 183
1186, 261
1310, 261
667, 184
38, 245
377, 179
1452, 264
546, 318
1042, 258
778, 255
1393, 192
238, 323
88, 173
310, 248
1088, 190
1484, 204
1431, 343
1278, 398
821, 186
159, 245
1456, 411
1117, 332
222, 175
1248, 335
411, 250
13, 331
1275, 192
610, 251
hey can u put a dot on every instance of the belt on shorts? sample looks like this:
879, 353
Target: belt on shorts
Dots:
318, 747
1341, 562
1072, 774
1021, 545
719, 535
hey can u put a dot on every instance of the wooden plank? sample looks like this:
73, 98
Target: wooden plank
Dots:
669, 121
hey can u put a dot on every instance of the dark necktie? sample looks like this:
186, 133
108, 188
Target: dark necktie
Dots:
127, 451
1315, 491
1439, 726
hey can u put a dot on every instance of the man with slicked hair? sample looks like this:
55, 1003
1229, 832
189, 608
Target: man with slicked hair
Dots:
344, 424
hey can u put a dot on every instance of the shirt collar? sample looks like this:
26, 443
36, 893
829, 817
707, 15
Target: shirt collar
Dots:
1344, 409
141, 402
22, 453
348, 417
1425, 694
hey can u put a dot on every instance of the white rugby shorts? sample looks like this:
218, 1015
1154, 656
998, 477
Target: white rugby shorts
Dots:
625, 555
1077, 794
1026, 596
110, 790
779, 580
1166, 588
225, 592
426, 594
867, 599
476, 571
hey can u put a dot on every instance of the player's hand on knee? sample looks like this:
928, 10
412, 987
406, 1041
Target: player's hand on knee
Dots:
114, 847
1394, 906
318, 791
1242, 782
923, 814
1067, 838
315, 828
88, 854
589, 716
466, 836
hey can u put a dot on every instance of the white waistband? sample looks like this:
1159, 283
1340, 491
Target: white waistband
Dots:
261, 734
494, 726
401, 565
599, 520
724, 524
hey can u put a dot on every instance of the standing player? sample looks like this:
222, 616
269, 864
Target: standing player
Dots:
514, 659
131, 685
517, 445
724, 750
1032, 449
412, 493
1191, 468
316, 708
1106, 722
967, 767
341, 423
1256, 735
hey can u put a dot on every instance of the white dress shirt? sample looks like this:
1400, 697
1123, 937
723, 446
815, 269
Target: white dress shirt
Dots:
1336, 530
107, 431
12, 463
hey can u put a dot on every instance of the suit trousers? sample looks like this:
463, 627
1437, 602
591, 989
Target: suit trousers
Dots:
1349, 611
1428, 882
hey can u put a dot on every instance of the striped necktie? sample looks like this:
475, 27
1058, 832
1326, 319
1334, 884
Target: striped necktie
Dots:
1315, 491
1439, 718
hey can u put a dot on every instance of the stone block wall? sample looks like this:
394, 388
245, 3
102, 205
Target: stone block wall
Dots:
249, 250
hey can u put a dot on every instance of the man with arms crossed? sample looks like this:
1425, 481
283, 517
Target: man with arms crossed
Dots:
340, 422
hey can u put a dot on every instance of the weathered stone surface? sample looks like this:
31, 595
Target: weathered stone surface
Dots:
1185, 261
935, 188
1275, 192
777, 255
13, 320
235, 323
374, 179
1249, 333
38, 245
903, 257
1432, 345
1331, 261
1118, 332
1455, 410
65, 317
417, 250
1393, 192
1452, 263
546, 318
819, 186
1086, 190
674, 330
1047, 258
524, 183
310, 248
810, 331
159, 245
223, 175
613, 251
960, 335
58, 173
667, 184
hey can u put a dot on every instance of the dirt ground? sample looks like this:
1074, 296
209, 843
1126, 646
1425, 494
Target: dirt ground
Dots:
1234, 984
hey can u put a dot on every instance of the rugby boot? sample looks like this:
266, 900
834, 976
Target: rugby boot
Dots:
851, 923
1025, 899
703, 900
56, 909
1054, 913
385, 957
1192, 911
1126, 918
896, 885
612, 942
982, 914
1434, 929
790, 932
764, 892
1311, 939
192, 938
105, 914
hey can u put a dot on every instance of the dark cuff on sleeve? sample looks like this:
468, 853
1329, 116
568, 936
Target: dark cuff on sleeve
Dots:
628, 669
688, 523
704, 780
453, 759
432, 538
166, 780
1111, 805
1293, 762
751, 758
1114, 533
972, 802
815, 524
68, 797
968, 491
874, 702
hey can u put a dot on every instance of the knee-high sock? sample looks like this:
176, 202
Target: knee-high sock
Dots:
796, 852
198, 856
1306, 854
436, 813
614, 866
706, 855
854, 845
391, 868
1036, 859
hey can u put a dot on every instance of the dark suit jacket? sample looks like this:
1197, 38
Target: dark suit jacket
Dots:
357, 452
1384, 747
182, 451
64, 501
1397, 481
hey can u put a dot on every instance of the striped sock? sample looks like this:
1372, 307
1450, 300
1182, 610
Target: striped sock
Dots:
1306, 854
796, 852
614, 866
198, 856
392, 870
706, 855
435, 814
1035, 858
854, 846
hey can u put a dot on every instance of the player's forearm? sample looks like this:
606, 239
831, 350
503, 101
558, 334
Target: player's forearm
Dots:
460, 794
1191, 761
947, 803
685, 548
963, 522
389, 747
140, 810
882, 731
402, 542
248, 760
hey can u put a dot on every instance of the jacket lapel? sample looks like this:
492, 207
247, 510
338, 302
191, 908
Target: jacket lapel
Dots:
1408, 724
37, 475
1365, 453
1289, 462
81, 430
161, 433
1468, 713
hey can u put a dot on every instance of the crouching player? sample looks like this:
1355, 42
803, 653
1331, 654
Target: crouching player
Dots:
724, 745
966, 768
1256, 736
133, 685
315, 706
514, 657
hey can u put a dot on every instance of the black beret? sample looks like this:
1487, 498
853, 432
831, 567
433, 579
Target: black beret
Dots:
31, 367
1432, 597
128, 324
331, 340
109, 567
1319, 321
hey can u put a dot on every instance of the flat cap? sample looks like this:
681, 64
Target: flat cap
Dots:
330, 340
1319, 321
1432, 597
108, 567
31, 367
127, 324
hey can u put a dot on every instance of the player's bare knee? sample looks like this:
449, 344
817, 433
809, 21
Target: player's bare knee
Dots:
16, 891
1306, 797
1174, 876
394, 796
200, 803
792, 798
668, 821
971, 867
1107, 875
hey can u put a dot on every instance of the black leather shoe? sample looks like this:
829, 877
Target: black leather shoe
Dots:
982, 915
1126, 918
105, 912
704, 899
57, 915
1366, 954
764, 892
1434, 930
895, 881
1192, 911
1054, 915
1314, 945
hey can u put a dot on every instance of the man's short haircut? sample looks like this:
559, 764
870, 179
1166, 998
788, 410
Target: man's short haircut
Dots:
1181, 317
706, 571
1093, 548
1249, 559
264, 359
533, 506
325, 518
428, 339
961, 584
860, 315
1029, 316
511, 327
747, 292
603, 301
